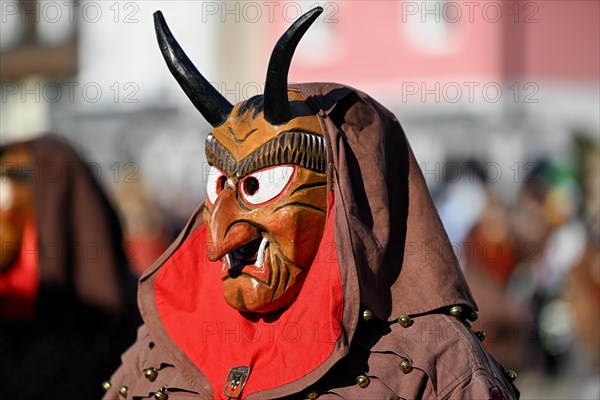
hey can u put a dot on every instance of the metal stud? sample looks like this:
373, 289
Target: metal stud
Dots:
363, 381
474, 315
150, 374
480, 335
123, 391
312, 394
162, 394
405, 366
456, 311
405, 321
511, 375
106, 385
367, 314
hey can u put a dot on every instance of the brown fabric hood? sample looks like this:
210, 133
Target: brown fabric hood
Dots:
390, 239
394, 255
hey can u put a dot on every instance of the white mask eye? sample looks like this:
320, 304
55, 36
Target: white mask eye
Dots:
215, 183
266, 184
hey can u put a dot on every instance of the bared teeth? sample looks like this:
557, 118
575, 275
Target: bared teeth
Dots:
260, 258
229, 260
236, 265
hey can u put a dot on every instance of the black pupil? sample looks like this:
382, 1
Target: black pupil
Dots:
250, 185
221, 183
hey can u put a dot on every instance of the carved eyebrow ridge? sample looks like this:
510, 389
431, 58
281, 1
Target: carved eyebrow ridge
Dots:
291, 147
217, 154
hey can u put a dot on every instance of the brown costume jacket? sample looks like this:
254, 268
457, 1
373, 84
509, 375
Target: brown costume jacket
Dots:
395, 261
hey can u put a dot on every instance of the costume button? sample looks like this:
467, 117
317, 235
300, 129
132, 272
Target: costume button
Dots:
312, 394
456, 311
480, 335
405, 366
367, 314
162, 394
474, 315
123, 391
106, 385
405, 321
511, 375
362, 381
150, 374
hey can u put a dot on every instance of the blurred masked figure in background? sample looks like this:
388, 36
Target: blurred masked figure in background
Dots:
65, 288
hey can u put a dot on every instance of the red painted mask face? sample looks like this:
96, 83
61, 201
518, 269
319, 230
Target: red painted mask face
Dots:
265, 206
16, 203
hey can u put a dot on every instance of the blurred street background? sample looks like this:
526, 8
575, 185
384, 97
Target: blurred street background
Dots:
499, 99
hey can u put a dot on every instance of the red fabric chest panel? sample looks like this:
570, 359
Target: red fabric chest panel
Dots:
189, 301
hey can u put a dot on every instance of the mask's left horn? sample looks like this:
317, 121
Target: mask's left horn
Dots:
212, 105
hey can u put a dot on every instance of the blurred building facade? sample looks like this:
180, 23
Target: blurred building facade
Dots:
506, 81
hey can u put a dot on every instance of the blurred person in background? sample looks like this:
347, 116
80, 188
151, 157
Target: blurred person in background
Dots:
583, 280
478, 227
66, 309
550, 240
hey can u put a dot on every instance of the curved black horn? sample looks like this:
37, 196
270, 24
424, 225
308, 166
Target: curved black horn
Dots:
212, 105
277, 106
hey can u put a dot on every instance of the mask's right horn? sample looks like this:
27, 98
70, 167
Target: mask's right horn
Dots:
212, 105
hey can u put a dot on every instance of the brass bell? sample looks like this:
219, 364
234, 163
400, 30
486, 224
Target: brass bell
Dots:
363, 381
405, 366
106, 385
405, 321
123, 391
456, 311
162, 394
511, 375
312, 394
150, 374
473, 316
367, 314
480, 335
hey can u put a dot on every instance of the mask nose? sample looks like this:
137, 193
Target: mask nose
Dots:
227, 230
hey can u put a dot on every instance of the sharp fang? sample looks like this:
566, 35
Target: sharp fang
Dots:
229, 261
261, 253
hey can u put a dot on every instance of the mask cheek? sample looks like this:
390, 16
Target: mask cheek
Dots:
299, 239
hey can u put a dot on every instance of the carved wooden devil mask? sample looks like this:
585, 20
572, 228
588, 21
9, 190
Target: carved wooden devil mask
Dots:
266, 193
